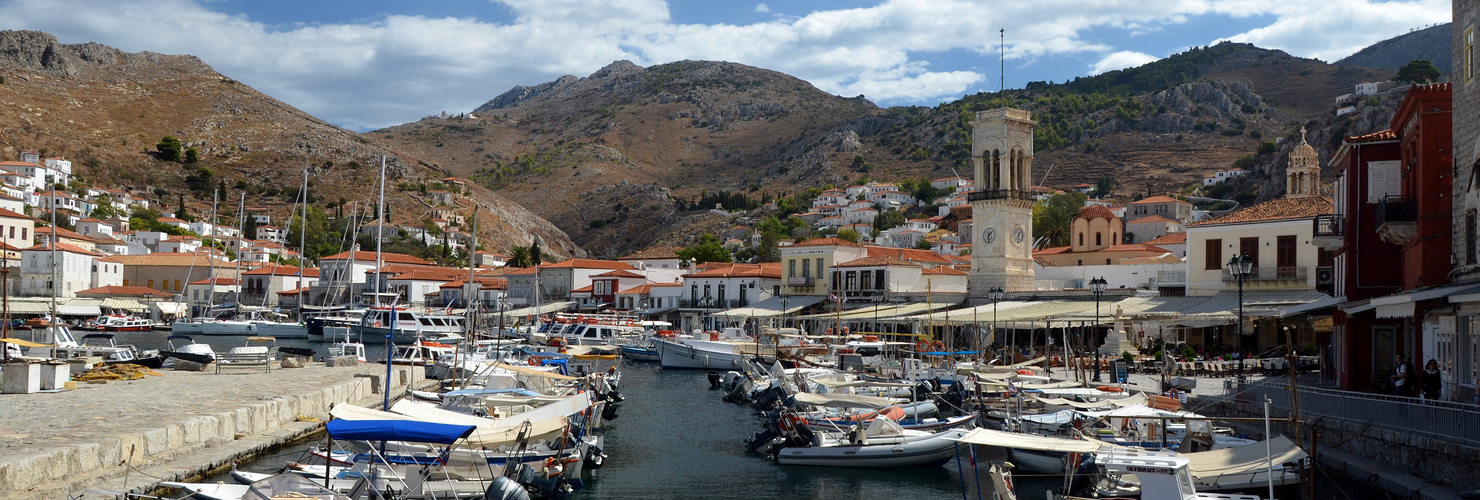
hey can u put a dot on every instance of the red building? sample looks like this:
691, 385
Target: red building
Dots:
1395, 224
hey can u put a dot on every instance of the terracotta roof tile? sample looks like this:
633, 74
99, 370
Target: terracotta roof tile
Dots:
137, 291
386, 257
1096, 212
280, 270
1157, 199
943, 271
822, 242
876, 262
647, 287
1150, 218
1169, 239
619, 274
1277, 209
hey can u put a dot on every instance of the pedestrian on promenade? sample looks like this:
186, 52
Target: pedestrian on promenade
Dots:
1401, 374
1431, 380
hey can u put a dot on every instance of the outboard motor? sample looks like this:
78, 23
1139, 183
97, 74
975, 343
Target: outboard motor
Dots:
1086, 476
921, 391
713, 379
595, 458
504, 488
609, 413
769, 398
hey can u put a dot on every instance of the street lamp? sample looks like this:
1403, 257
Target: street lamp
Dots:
995, 294
1240, 266
1097, 287
785, 299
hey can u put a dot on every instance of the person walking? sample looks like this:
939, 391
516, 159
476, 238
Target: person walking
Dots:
1431, 381
1401, 375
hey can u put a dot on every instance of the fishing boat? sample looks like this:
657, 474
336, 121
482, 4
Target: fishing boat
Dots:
641, 353
186, 348
123, 323
267, 488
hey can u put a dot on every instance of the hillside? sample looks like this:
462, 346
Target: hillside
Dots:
1434, 43
105, 110
619, 159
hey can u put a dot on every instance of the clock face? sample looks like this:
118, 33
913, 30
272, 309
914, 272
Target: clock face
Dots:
989, 235
1017, 235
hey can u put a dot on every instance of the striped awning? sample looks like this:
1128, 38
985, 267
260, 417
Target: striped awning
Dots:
124, 304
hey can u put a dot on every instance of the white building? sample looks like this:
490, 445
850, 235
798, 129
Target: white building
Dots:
75, 269
1222, 175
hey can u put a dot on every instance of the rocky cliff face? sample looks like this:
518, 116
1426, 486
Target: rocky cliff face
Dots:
105, 109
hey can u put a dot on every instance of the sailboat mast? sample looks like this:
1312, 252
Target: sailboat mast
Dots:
380, 233
56, 266
302, 247
472, 287
241, 225
211, 278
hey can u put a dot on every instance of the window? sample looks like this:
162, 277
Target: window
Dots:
1081, 239
693, 293
1469, 54
23, 233
1099, 239
1107, 262
721, 296
151, 284
1079, 262
819, 268
1213, 255
1284, 256
177, 285
806, 269
879, 279
866, 280
1250, 247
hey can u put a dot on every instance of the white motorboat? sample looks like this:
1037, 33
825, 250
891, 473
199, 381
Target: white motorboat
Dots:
101, 345
268, 488
123, 323
212, 326
186, 348
724, 350
272, 324
883, 443
408, 325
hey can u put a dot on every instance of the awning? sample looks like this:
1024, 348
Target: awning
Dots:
79, 310
1017, 312
1325, 305
773, 306
1246, 459
1216, 310
653, 310
171, 308
24, 306
125, 304
1402, 305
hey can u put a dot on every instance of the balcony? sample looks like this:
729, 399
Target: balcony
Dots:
1171, 278
1396, 219
1271, 274
999, 194
1329, 231
710, 304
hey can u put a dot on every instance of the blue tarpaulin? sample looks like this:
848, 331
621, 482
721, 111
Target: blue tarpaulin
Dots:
398, 430
490, 392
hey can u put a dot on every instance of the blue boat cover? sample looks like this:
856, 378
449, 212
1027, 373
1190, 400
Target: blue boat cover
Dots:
532, 352
398, 430
949, 353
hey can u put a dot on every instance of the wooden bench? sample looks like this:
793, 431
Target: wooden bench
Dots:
244, 360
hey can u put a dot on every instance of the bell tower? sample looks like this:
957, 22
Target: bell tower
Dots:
1303, 174
1002, 202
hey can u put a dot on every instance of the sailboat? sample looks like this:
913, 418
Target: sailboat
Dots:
209, 324
270, 324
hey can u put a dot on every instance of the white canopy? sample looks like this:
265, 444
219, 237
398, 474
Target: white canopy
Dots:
1037, 313
989, 437
1249, 458
542, 309
843, 400
773, 306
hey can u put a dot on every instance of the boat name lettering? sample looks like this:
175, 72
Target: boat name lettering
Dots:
1147, 470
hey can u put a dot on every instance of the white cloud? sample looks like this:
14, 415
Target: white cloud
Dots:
396, 68
1120, 60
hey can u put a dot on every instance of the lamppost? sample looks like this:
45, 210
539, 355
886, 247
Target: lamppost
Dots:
1097, 287
995, 294
785, 299
1240, 267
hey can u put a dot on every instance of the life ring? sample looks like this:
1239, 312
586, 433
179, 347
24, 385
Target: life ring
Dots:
377, 324
938, 345
922, 346
533, 361
1107, 388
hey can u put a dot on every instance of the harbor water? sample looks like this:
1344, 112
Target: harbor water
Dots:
674, 438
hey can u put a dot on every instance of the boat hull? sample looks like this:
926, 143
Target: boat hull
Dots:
681, 356
640, 354
929, 452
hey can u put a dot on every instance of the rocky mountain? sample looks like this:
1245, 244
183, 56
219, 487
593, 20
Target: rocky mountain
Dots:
1434, 43
105, 110
621, 159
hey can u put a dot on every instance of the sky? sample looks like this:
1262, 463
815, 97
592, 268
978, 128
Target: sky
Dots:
369, 64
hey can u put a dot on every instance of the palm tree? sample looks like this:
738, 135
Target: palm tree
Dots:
1053, 218
519, 257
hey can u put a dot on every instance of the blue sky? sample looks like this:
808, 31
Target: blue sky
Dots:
375, 63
